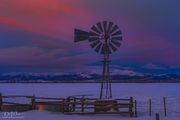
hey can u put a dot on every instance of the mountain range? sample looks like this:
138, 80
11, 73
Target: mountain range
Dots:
95, 76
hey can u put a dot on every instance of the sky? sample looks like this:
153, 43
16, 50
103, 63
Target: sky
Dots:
38, 35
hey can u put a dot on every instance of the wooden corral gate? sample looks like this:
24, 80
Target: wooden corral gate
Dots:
70, 105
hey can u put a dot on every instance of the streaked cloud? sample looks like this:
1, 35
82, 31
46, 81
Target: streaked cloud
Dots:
39, 33
153, 66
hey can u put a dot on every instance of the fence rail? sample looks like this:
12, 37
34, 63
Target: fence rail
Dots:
70, 105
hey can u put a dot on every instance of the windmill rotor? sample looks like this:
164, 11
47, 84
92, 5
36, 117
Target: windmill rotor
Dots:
105, 37
100, 32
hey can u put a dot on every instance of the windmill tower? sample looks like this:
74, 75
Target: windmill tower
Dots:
104, 37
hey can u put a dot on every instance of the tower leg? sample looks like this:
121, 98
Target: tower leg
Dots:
106, 92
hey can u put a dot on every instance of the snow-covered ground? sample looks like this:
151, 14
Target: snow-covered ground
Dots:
141, 92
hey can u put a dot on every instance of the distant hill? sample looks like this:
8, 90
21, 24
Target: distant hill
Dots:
87, 77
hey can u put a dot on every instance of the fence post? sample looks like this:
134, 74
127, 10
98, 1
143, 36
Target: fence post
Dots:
74, 105
157, 116
135, 105
63, 105
33, 100
131, 106
1, 102
150, 102
82, 104
165, 112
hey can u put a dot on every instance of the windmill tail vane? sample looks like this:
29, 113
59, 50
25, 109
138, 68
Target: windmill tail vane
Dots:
105, 38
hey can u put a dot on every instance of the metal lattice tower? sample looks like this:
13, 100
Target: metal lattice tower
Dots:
105, 38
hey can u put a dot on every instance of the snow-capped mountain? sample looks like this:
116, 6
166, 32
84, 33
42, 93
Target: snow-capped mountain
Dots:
94, 75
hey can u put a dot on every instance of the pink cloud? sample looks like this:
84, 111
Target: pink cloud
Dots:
9, 22
43, 8
51, 17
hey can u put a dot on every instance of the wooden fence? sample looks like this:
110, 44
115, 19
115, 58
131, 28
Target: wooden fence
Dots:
164, 107
70, 105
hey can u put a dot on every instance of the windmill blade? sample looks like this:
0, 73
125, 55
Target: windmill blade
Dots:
80, 35
99, 26
109, 26
114, 29
95, 43
93, 34
116, 43
91, 39
119, 38
117, 33
98, 48
112, 47
105, 26
95, 29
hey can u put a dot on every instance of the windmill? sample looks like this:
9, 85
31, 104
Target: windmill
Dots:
105, 38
